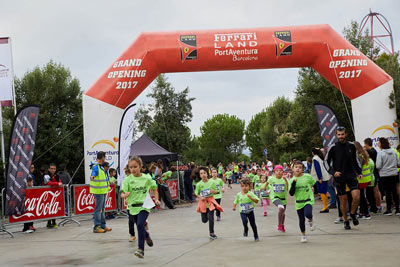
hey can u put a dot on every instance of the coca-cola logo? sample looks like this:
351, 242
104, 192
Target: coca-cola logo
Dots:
44, 205
86, 199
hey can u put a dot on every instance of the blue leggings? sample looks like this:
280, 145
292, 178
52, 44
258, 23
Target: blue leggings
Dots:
303, 213
140, 219
249, 217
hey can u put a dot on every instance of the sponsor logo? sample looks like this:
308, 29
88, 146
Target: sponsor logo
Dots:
86, 200
17, 158
104, 141
4, 71
25, 130
384, 127
46, 204
238, 46
106, 145
283, 43
188, 45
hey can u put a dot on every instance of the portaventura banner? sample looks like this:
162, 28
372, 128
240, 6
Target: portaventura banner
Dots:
22, 146
327, 122
125, 140
6, 74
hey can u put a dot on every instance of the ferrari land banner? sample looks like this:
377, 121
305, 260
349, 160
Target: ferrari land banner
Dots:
41, 203
6, 74
328, 123
84, 201
22, 145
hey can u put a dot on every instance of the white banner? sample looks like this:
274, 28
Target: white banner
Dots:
125, 140
6, 75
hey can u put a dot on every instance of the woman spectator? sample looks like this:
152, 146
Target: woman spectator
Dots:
319, 173
387, 163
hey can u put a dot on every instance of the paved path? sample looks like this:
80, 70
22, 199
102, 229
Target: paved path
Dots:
182, 240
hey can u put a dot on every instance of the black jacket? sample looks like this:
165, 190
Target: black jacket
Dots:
342, 158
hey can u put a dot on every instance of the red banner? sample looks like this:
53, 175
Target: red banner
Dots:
84, 201
41, 203
173, 188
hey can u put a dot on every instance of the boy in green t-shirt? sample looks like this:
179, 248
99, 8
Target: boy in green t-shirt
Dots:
256, 178
301, 188
205, 189
278, 194
135, 189
246, 199
228, 175
220, 188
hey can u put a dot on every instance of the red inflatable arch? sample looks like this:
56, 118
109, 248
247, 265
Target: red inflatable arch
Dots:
317, 46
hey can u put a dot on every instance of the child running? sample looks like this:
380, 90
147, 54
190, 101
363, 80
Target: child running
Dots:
300, 188
278, 194
219, 183
228, 175
246, 200
264, 194
205, 190
135, 189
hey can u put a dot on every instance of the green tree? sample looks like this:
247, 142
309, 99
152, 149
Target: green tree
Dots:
253, 138
221, 138
59, 135
172, 111
193, 152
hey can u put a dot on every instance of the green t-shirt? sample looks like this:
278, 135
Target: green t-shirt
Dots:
278, 189
166, 175
245, 204
250, 176
203, 189
219, 184
138, 188
220, 168
228, 175
256, 179
264, 193
304, 194
257, 186
113, 180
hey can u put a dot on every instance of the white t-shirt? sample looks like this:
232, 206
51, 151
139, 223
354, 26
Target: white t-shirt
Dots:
269, 164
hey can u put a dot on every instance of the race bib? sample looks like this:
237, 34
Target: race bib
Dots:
205, 192
246, 207
279, 188
257, 184
264, 193
218, 187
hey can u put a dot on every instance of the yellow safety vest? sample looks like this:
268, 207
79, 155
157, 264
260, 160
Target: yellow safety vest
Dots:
100, 184
366, 174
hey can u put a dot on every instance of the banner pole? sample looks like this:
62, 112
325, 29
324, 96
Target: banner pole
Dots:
3, 154
12, 79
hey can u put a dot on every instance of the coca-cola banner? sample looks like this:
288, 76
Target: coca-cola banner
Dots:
22, 145
41, 203
173, 188
84, 200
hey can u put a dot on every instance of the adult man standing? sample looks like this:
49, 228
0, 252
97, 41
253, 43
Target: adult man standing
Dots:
341, 161
99, 187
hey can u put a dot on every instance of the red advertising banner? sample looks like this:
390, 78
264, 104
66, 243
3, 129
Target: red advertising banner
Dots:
84, 201
41, 203
173, 188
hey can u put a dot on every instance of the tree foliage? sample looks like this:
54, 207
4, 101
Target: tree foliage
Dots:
253, 138
165, 121
221, 138
59, 137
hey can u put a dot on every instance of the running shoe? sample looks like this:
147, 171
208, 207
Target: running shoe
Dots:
347, 225
354, 219
132, 238
213, 236
397, 212
245, 234
55, 226
139, 253
107, 229
256, 239
332, 206
149, 241
265, 214
324, 211
32, 228
338, 220
312, 224
388, 213
366, 217
29, 231
218, 218
303, 239
98, 230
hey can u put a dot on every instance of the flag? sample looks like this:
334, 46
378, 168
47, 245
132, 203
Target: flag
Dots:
22, 145
328, 123
125, 140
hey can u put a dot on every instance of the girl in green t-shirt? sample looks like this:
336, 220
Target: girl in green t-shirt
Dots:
205, 191
264, 194
135, 188
246, 199
301, 188
220, 188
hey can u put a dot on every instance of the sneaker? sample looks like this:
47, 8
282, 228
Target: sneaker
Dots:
380, 209
367, 217
265, 214
107, 229
132, 238
338, 220
55, 226
332, 207
354, 219
29, 231
347, 225
213, 236
139, 253
32, 228
388, 213
256, 239
98, 230
149, 241
49, 226
245, 234
312, 225
324, 211
397, 212
218, 218
303, 239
